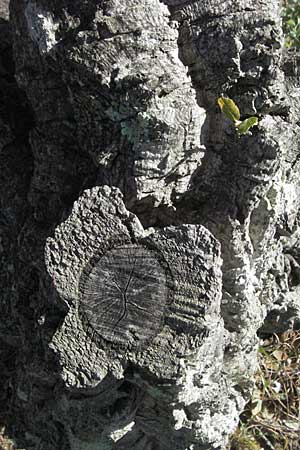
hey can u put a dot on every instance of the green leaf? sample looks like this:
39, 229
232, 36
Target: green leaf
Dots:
245, 126
229, 108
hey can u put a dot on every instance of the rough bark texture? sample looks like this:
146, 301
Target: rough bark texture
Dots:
144, 243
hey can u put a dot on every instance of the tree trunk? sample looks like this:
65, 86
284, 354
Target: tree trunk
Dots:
144, 242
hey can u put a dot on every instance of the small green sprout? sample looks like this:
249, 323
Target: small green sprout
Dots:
232, 112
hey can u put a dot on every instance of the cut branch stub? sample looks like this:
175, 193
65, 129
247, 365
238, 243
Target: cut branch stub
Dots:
123, 295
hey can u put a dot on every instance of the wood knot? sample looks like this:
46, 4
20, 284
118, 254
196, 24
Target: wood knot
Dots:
123, 295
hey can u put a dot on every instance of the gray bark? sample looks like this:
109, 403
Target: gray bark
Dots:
144, 243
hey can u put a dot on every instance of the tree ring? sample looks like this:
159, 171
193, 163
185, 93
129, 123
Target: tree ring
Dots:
123, 295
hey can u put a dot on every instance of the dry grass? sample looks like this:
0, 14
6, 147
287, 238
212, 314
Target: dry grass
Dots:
271, 420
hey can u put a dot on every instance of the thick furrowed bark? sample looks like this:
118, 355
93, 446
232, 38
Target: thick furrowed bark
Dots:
145, 338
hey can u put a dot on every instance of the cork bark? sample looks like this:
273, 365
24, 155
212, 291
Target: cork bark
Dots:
145, 244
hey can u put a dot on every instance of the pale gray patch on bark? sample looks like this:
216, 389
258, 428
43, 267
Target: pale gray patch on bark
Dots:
4, 9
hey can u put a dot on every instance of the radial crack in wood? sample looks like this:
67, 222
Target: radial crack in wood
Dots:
123, 295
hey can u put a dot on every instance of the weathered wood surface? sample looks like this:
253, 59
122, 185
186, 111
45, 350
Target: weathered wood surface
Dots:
123, 295
108, 120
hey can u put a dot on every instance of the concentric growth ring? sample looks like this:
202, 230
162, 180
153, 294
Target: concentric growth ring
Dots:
123, 295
